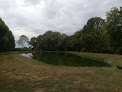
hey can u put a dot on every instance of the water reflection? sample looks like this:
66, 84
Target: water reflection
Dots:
64, 59
29, 55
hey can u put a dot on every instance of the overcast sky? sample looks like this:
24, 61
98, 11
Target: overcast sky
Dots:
35, 17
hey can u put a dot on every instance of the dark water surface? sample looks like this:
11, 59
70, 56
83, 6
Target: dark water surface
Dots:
64, 59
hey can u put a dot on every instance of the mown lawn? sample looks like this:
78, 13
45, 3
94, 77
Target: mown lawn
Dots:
21, 74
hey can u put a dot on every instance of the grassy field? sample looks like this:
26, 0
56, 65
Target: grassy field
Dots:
21, 74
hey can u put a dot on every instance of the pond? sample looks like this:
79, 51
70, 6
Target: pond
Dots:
64, 59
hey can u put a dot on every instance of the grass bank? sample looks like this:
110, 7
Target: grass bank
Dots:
21, 74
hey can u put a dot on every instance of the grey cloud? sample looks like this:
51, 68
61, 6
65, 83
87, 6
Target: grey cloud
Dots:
34, 17
33, 2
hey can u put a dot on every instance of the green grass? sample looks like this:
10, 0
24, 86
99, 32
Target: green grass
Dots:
21, 74
99, 56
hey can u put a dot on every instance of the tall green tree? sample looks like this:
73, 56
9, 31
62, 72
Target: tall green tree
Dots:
7, 42
11, 41
33, 42
93, 37
114, 27
50, 41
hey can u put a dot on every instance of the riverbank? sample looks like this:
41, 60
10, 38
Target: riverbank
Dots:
21, 74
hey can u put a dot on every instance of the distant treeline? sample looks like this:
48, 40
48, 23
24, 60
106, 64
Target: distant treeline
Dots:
7, 42
98, 35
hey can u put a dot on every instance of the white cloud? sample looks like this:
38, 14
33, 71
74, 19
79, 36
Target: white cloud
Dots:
34, 17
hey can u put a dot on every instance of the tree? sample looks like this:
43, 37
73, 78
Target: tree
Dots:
49, 41
63, 42
7, 42
22, 40
98, 35
114, 27
93, 37
74, 41
33, 42
11, 41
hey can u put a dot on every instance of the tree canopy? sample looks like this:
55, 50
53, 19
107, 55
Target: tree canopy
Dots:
114, 27
98, 35
49, 41
7, 42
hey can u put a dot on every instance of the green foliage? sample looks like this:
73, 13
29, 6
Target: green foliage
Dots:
114, 27
94, 35
49, 41
98, 35
74, 42
7, 42
33, 42
11, 41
